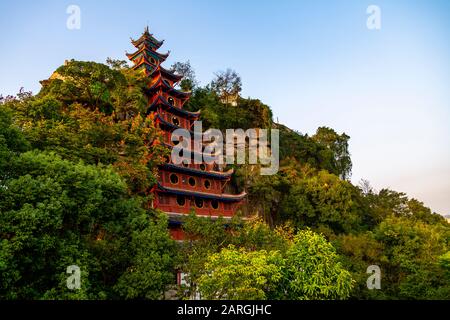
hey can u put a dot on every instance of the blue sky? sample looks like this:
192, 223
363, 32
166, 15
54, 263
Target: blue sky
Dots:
314, 62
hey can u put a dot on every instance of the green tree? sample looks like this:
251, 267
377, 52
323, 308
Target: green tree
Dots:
64, 118
323, 200
412, 250
152, 262
189, 82
313, 270
55, 213
338, 144
237, 274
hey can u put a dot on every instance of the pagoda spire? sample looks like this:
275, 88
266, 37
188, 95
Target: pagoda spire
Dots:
147, 57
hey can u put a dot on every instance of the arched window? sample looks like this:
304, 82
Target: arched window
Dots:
181, 201
199, 203
173, 178
192, 181
215, 204
207, 184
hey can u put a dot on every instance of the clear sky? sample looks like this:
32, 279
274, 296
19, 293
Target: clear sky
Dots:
314, 62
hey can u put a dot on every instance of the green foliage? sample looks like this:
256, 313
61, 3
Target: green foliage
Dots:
412, 250
248, 113
315, 152
112, 128
76, 198
410, 253
153, 255
207, 236
308, 269
313, 270
237, 274
338, 145
227, 84
55, 213
189, 82
81, 196
323, 200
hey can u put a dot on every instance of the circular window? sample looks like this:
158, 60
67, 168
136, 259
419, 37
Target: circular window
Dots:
203, 167
199, 203
207, 184
185, 164
181, 201
152, 60
175, 121
215, 204
192, 181
171, 101
173, 178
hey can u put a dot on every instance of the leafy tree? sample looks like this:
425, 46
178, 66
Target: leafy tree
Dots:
413, 250
207, 237
65, 204
236, 274
227, 85
323, 200
358, 252
11, 140
189, 82
116, 132
55, 213
152, 263
338, 144
313, 270
308, 269
306, 150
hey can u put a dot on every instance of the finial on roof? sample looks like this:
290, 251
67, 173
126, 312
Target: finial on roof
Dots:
146, 29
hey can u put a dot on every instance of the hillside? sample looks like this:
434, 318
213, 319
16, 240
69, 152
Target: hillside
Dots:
77, 162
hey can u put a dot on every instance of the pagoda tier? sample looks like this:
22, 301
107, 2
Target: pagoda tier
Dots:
160, 103
147, 39
148, 54
162, 84
181, 188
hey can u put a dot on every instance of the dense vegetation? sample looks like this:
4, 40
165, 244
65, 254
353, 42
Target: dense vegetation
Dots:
77, 162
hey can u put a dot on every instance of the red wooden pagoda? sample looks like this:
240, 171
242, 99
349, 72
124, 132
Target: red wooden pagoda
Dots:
183, 187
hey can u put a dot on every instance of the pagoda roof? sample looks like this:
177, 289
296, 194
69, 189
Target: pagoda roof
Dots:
224, 197
146, 50
171, 125
147, 38
212, 174
167, 73
160, 83
149, 67
160, 100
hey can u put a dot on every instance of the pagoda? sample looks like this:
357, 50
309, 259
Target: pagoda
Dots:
187, 186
